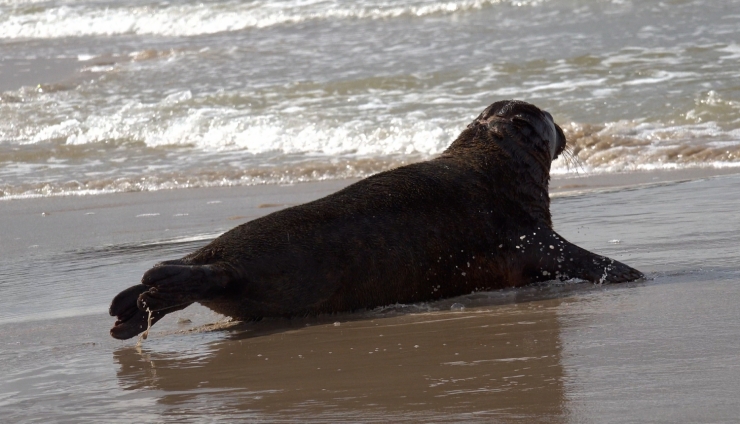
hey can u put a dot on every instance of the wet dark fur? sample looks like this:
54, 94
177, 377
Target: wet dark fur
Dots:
475, 218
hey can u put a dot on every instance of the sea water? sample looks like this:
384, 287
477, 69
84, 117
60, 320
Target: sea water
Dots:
114, 96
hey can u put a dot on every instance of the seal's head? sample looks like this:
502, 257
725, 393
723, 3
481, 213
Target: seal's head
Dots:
536, 125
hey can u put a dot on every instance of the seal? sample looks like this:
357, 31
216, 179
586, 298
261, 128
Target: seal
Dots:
475, 218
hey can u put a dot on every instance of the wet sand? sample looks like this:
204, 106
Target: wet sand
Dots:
661, 350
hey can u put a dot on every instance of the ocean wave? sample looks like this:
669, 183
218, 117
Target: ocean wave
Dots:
189, 141
206, 18
639, 146
213, 130
180, 121
56, 141
305, 156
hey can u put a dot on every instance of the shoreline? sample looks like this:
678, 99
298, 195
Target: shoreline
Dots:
560, 184
178, 214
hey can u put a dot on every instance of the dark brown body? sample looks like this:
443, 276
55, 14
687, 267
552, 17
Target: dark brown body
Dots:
475, 218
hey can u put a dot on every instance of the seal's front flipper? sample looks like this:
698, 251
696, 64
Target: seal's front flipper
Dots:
132, 320
563, 260
171, 285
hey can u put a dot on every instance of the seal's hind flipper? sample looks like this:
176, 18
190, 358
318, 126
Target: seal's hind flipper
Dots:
171, 285
124, 304
168, 287
132, 320
561, 259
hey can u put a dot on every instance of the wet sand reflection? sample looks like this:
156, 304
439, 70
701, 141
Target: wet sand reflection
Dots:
495, 361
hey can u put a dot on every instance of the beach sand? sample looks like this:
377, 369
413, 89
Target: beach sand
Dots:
660, 350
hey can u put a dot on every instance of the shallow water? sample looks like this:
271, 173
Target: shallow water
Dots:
661, 350
115, 96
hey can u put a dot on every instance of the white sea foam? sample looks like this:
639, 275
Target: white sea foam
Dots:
733, 50
659, 76
178, 19
568, 85
212, 129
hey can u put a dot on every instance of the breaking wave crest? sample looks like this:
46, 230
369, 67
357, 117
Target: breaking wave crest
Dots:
241, 154
633, 146
178, 19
